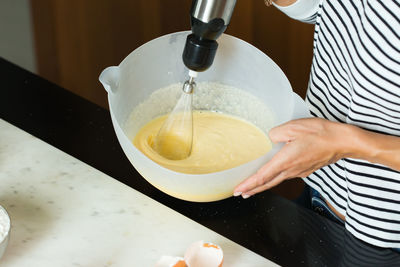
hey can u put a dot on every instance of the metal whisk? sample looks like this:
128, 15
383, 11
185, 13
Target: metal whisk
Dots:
175, 137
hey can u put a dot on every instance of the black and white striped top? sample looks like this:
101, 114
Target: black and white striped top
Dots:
355, 79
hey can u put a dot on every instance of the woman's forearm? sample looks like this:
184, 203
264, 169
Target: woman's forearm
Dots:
313, 143
373, 147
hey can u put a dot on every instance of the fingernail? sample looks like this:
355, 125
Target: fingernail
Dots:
236, 194
245, 196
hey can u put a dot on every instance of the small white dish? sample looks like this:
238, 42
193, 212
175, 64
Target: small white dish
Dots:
5, 227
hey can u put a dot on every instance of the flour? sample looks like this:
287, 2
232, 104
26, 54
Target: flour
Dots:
4, 224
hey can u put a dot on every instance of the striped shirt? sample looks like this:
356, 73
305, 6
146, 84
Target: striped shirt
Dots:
355, 79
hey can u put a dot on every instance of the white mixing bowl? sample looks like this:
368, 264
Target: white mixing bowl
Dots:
158, 64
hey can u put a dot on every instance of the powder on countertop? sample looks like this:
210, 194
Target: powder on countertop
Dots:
4, 224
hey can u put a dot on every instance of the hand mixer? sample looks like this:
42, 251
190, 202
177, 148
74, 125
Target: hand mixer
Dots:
209, 19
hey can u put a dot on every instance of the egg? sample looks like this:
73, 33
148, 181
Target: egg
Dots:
168, 261
201, 254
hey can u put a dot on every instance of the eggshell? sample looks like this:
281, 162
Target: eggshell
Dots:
201, 254
168, 261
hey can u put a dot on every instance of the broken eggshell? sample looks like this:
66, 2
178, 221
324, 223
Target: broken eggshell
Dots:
202, 254
168, 261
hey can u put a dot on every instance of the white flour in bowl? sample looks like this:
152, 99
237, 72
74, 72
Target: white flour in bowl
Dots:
4, 224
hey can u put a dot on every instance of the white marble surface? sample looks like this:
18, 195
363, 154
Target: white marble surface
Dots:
66, 213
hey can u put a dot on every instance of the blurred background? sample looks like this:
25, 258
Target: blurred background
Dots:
69, 42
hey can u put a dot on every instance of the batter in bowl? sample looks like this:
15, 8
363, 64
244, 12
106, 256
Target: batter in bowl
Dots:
220, 142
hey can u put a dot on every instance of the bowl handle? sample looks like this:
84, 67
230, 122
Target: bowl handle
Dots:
109, 77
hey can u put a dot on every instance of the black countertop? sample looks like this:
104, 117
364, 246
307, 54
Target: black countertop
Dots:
267, 224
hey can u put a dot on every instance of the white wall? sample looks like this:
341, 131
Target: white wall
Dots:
16, 35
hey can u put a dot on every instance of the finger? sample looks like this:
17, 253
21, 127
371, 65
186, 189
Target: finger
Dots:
281, 133
248, 184
263, 175
259, 178
274, 182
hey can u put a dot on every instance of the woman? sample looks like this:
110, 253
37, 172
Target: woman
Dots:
349, 154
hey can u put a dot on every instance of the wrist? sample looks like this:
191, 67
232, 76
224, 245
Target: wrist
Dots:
346, 140
350, 141
356, 143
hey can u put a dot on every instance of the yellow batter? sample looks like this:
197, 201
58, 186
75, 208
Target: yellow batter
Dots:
220, 142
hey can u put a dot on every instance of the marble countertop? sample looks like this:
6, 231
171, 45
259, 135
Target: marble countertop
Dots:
66, 213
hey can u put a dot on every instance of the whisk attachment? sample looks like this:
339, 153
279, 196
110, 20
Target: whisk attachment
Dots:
174, 139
